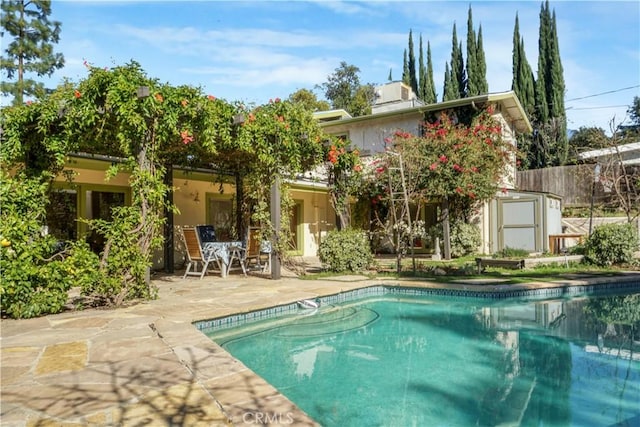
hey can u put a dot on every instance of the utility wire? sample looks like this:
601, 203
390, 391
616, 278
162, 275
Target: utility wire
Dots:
603, 93
595, 108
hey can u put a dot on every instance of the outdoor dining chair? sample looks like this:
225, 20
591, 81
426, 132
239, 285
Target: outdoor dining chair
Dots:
256, 249
196, 255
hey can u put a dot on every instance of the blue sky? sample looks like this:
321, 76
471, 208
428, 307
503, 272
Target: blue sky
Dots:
255, 51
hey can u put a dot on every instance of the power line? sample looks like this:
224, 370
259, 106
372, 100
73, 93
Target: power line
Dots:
603, 93
595, 108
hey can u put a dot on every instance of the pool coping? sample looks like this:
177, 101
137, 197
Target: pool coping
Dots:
91, 346
502, 293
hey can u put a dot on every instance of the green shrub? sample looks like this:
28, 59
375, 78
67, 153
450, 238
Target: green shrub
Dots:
345, 250
124, 264
32, 283
465, 238
611, 244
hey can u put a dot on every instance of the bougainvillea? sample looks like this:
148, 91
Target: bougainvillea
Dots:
122, 112
455, 163
453, 160
344, 170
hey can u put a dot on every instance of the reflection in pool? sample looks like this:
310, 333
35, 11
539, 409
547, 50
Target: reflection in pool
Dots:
395, 361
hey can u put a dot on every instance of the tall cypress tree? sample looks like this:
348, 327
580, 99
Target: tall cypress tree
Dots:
481, 69
422, 73
405, 70
461, 74
31, 50
430, 97
542, 104
450, 89
476, 82
523, 85
522, 81
472, 63
456, 87
551, 136
556, 85
556, 96
413, 80
515, 59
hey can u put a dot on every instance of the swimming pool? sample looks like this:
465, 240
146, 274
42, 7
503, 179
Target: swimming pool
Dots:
393, 360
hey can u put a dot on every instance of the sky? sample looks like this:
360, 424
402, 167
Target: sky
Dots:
254, 51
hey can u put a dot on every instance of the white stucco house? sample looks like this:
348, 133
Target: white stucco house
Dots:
513, 219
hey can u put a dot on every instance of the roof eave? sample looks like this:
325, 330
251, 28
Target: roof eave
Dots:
509, 99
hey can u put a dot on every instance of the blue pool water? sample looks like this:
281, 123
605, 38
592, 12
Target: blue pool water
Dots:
436, 361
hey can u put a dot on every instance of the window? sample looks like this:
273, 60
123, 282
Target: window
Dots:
99, 205
404, 93
220, 215
62, 213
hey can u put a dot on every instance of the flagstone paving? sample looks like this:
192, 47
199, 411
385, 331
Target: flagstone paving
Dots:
146, 364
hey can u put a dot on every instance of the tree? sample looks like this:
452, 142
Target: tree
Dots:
522, 82
307, 99
481, 75
542, 101
426, 87
550, 121
618, 177
406, 77
422, 73
31, 50
430, 95
455, 86
460, 165
450, 89
472, 63
344, 171
343, 90
634, 111
413, 80
587, 138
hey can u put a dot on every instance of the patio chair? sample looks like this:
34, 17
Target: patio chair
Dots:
257, 249
206, 233
196, 255
238, 254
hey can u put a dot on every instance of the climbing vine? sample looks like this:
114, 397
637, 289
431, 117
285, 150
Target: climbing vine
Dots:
150, 126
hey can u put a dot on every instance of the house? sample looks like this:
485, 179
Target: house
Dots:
626, 154
202, 196
513, 219
207, 196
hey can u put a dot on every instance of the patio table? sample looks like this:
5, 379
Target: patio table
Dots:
224, 251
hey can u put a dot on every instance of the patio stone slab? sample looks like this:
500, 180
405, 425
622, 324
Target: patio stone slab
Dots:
179, 405
70, 356
112, 351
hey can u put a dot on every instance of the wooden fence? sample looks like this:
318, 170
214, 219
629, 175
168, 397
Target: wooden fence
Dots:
572, 183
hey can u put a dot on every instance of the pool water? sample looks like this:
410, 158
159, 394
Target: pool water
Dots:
434, 361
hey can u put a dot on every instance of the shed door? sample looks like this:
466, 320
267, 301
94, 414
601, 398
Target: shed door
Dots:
518, 224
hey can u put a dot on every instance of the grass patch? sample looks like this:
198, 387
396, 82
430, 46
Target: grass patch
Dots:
465, 268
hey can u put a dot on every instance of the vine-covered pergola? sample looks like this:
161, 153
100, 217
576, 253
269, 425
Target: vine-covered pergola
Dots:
154, 127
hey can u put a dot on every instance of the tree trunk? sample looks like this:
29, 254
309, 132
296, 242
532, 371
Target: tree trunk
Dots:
168, 225
446, 229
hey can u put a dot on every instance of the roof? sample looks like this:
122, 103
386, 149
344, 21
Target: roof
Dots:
510, 106
331, 115
630, 153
